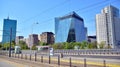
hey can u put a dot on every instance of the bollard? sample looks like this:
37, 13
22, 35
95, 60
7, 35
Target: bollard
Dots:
11, 54
49, 59
21, 56
18, 55
104, 62
30, 57
42, 59
35, 57
70, 62
15, 55
58, 60
25, 56
85, 63
61, 55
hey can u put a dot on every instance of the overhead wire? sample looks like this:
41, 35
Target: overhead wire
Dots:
46, 10
78, 10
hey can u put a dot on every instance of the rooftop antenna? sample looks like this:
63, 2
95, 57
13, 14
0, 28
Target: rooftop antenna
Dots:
109, 2
8, 16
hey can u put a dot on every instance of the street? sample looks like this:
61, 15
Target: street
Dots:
6, 63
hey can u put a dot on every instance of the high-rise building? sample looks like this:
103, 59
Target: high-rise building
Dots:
70, 28
18, 39
33, 39
47, 37
9, 29
108, 27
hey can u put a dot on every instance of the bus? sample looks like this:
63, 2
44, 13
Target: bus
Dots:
45, 49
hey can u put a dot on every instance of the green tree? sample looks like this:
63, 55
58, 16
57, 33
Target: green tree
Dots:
34, 47
95, 45
90, 46
7, 45
84, 45
42, 44
102, 45
58, 46
0, 45
23, 45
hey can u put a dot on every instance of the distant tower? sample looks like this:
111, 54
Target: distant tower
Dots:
8, 17
7, 25
108, 27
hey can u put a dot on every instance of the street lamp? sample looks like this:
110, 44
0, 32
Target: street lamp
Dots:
10, 42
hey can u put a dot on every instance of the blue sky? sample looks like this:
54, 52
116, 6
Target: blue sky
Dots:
28, 12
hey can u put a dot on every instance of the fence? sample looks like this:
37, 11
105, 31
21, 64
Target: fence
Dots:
57, 60
90, 51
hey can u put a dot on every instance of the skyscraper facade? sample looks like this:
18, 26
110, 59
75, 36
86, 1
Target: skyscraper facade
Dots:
9, 28
70, 28
108, 27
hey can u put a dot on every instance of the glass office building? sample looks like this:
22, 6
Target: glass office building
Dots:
9, 28
69, 28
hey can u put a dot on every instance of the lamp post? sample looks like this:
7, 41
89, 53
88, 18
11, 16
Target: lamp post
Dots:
10, 42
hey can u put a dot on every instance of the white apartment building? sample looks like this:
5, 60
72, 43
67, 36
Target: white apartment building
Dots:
108, 26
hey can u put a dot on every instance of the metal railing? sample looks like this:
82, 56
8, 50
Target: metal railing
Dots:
70, 62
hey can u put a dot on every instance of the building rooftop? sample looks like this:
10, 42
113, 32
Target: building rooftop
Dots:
72, 14
47, 32
92, 37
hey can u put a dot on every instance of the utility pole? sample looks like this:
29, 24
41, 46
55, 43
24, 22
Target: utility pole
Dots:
10, 42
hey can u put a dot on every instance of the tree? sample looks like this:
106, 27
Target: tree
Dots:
94, 45
0, 46
83, 45
90, 46
42, 44
58, 46
34, 47
23, 45
102, 45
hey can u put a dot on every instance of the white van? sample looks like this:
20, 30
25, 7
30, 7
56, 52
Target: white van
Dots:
17, 50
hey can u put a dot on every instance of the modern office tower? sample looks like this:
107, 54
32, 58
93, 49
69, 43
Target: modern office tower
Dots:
18, 39
70, 28
9, 30
33, 39
47, 37
108, 27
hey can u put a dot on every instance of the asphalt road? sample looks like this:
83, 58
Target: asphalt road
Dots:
6, 63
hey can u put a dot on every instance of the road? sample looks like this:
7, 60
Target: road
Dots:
6, 63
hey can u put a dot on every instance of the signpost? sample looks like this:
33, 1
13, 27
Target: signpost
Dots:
51, 51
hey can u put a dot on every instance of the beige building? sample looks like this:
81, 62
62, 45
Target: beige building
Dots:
18, 39
33, 39
39, 37
47, 37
